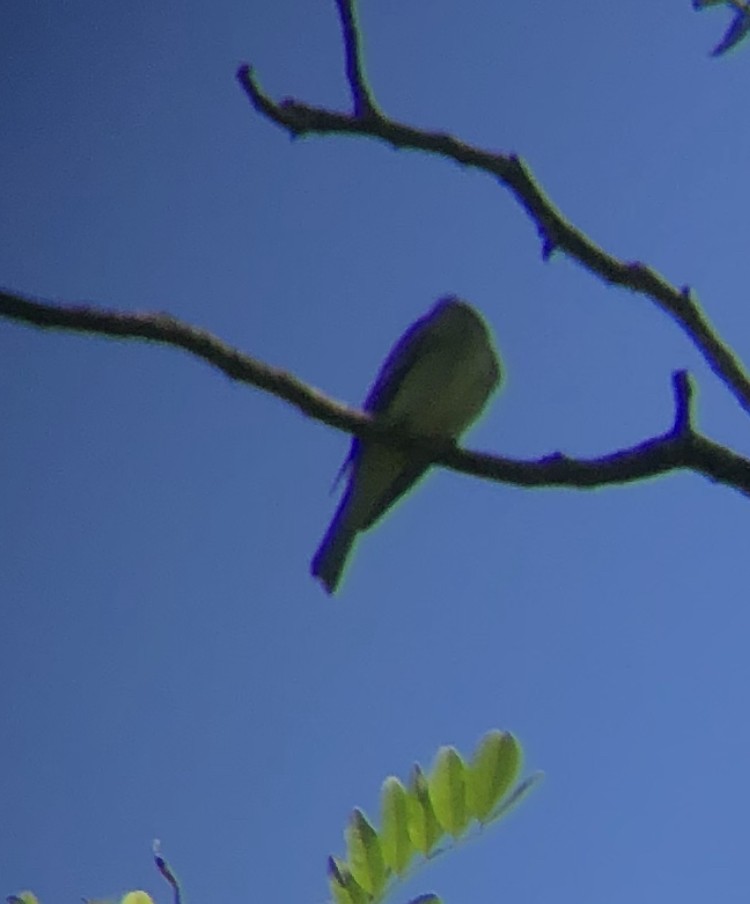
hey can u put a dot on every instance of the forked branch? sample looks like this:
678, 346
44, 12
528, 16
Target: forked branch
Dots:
557, 233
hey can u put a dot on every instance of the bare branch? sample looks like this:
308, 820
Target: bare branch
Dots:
648, 459
168, 330
681, 448
555, 231
364, 105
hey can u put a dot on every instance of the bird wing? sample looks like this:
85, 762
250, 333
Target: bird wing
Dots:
400, 358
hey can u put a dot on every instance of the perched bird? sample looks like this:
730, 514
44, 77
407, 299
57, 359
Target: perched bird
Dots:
435, 381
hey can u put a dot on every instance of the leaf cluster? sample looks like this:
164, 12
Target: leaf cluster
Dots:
455, 797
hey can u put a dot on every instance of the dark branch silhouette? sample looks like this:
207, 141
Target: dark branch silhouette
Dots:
680, 448
555, 231
364, 105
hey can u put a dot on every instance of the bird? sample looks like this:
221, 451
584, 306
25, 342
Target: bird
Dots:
435, 382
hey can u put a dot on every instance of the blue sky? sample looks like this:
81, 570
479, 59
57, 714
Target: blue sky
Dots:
171, 668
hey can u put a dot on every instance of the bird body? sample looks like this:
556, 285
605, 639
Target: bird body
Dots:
435, 382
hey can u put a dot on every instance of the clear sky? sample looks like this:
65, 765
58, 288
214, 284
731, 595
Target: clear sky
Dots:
171, 669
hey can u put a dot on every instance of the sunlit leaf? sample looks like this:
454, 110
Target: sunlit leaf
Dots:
494, 768
424, 829
364, 855
137, 897
343, 885
395, 841
447, 785
24, 897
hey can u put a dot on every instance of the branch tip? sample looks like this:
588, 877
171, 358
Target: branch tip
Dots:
549, 246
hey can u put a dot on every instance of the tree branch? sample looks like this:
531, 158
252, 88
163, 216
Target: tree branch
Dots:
556, 232
680, 448
168, 330
364, 105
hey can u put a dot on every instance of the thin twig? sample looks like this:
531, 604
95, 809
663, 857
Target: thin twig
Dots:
556, 232
364, 105
680, 448
166, 871
682, 387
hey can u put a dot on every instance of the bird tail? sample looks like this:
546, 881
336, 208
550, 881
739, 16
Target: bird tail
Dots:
329, 561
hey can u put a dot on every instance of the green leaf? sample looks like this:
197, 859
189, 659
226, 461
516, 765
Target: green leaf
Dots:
137, 897
364, 855
24, 897
424, 829
516, 796
395, 841
447, 785
343, 885
495, 767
